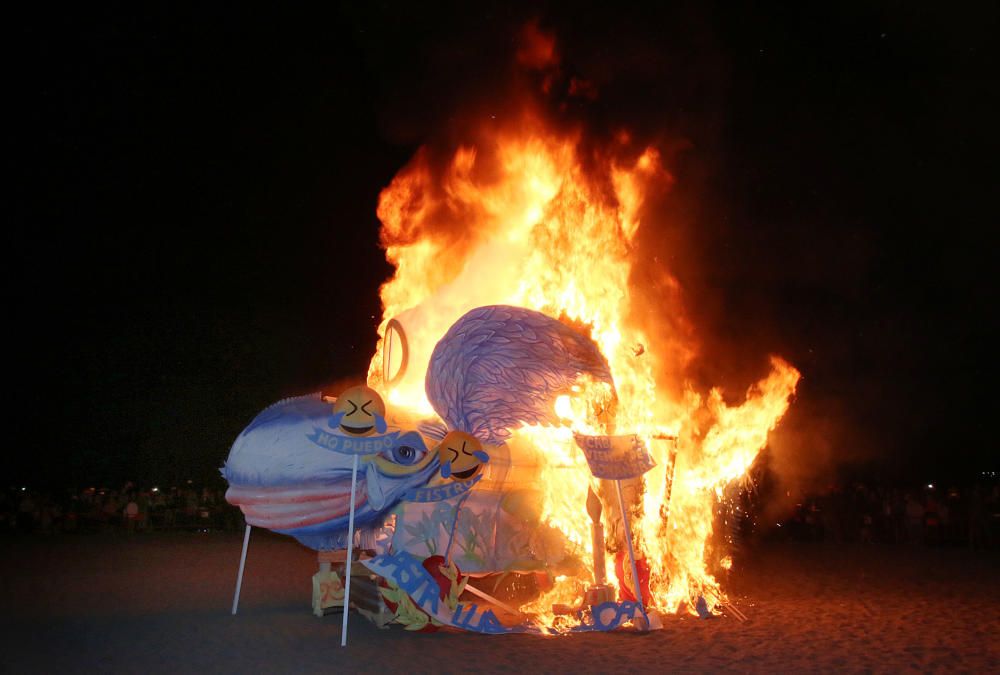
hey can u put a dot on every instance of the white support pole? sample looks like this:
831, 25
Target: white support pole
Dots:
350, 555
239, 575
631, 551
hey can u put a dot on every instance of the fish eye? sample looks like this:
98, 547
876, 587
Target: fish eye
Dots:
406, 455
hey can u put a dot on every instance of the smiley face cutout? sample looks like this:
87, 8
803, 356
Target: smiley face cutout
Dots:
359, 411
462, 456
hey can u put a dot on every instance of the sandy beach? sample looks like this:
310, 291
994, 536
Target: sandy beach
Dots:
160, 602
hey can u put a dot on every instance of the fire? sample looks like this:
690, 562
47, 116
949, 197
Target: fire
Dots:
517, 216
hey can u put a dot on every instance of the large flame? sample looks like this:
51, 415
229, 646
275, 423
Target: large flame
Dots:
519, 217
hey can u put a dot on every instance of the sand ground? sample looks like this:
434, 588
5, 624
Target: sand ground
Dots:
155, 603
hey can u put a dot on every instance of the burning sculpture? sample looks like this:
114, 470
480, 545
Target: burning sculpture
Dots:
285, 473
525, 315
497, 369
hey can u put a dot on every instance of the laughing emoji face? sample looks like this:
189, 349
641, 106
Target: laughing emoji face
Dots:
359, 411
462, 456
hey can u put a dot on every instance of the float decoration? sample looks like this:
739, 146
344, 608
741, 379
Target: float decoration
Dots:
465, 503
497, 369
525, 312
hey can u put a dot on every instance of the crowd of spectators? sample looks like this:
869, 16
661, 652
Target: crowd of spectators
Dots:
929, 515
129, 509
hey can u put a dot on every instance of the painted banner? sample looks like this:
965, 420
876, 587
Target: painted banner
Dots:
440, 493
610, 615
406, 571
352, 445
615, 457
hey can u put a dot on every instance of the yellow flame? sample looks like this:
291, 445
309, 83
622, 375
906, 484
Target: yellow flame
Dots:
515, 218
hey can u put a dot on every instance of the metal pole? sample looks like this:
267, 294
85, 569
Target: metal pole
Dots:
239, 575
631, 551
350, 554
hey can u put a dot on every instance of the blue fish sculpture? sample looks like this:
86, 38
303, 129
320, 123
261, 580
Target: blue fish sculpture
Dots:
287, 474
497, 368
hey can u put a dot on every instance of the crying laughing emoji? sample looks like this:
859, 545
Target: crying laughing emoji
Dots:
462, 456
359, 411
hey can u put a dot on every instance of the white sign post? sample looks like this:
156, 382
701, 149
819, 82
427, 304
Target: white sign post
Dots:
239, 575
617, 458
350, 555
631, 551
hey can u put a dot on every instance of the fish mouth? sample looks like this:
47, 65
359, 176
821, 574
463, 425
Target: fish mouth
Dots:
356, 431
289, 507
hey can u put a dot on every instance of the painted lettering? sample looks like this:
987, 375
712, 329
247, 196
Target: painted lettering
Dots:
610, 615
427, 596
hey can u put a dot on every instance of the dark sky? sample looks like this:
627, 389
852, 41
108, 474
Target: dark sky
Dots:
194, 231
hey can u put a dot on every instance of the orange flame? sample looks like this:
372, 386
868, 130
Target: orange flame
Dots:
519, 217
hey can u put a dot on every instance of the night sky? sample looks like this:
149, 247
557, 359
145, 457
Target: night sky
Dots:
194, 231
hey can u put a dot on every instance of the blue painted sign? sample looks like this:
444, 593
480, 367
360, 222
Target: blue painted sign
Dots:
615, 457
406, 571
352, 445
610, 615
440, 493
